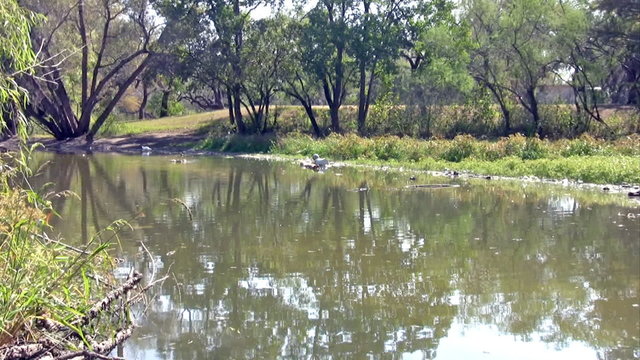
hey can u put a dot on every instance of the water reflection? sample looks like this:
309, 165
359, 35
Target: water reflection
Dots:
269, 260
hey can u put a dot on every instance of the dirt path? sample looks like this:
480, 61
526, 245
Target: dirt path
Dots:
160, 143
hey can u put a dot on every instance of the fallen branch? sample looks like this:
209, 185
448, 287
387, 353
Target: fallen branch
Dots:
85, 354
54, 347
106, 346
111, 297
25, 351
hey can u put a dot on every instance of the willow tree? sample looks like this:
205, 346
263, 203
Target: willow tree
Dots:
97, 46
16, 58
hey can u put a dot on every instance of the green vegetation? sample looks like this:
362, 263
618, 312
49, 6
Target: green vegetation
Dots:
585, 159
189, 123
420, 68
55, 299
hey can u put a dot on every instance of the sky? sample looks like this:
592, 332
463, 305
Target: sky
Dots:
264, 11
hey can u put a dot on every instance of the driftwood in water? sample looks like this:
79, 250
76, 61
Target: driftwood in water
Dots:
432, 186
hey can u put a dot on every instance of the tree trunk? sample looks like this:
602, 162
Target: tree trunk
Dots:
143, 103
217, 99
533, 109
335, 118
363, 97
266, 115
506, 113
237, 110
312, 118
232, 119
164, 104
362, 116
237, 70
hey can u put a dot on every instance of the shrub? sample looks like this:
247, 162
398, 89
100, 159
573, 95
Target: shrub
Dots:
584, 146
460, 148
533, 149
387, 148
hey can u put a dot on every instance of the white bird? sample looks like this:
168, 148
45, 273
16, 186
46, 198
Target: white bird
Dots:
145, 148
322, 163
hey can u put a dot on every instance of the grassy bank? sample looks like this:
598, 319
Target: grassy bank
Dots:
586, 159
589, 157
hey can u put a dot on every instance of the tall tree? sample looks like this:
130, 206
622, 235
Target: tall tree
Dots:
297, 81
265, 52
220, 42
525, 38
375, 45
325, 39
487, 66
115, 40
617, 33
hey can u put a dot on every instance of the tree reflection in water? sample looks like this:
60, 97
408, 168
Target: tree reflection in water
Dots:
283, 262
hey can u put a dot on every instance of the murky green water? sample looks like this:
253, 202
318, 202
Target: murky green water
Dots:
273, 261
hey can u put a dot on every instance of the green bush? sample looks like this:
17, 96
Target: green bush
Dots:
460, 148
583, 146
533, 149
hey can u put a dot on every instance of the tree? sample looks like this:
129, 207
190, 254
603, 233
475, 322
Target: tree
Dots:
422, 16
487, 67
264, 53
218, 45
587, 64
115, 40
16, 58
296, 81
519, 43
616, 33
441, 77
325, 38
375, 45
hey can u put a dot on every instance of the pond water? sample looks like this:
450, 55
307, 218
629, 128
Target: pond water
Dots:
268, 260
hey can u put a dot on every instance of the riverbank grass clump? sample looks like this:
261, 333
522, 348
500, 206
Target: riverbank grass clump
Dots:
585, 159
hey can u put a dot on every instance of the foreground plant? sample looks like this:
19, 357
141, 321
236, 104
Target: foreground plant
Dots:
56, 300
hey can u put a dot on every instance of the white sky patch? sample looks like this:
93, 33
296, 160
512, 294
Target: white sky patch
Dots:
487, 342
265, 11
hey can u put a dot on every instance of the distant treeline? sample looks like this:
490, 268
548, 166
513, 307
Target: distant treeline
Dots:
490, 64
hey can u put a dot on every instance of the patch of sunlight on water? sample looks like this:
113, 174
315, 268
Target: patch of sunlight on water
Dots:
487, 342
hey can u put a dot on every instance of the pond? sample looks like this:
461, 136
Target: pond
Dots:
269, 260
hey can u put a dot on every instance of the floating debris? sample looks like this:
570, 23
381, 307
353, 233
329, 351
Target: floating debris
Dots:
433, 186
